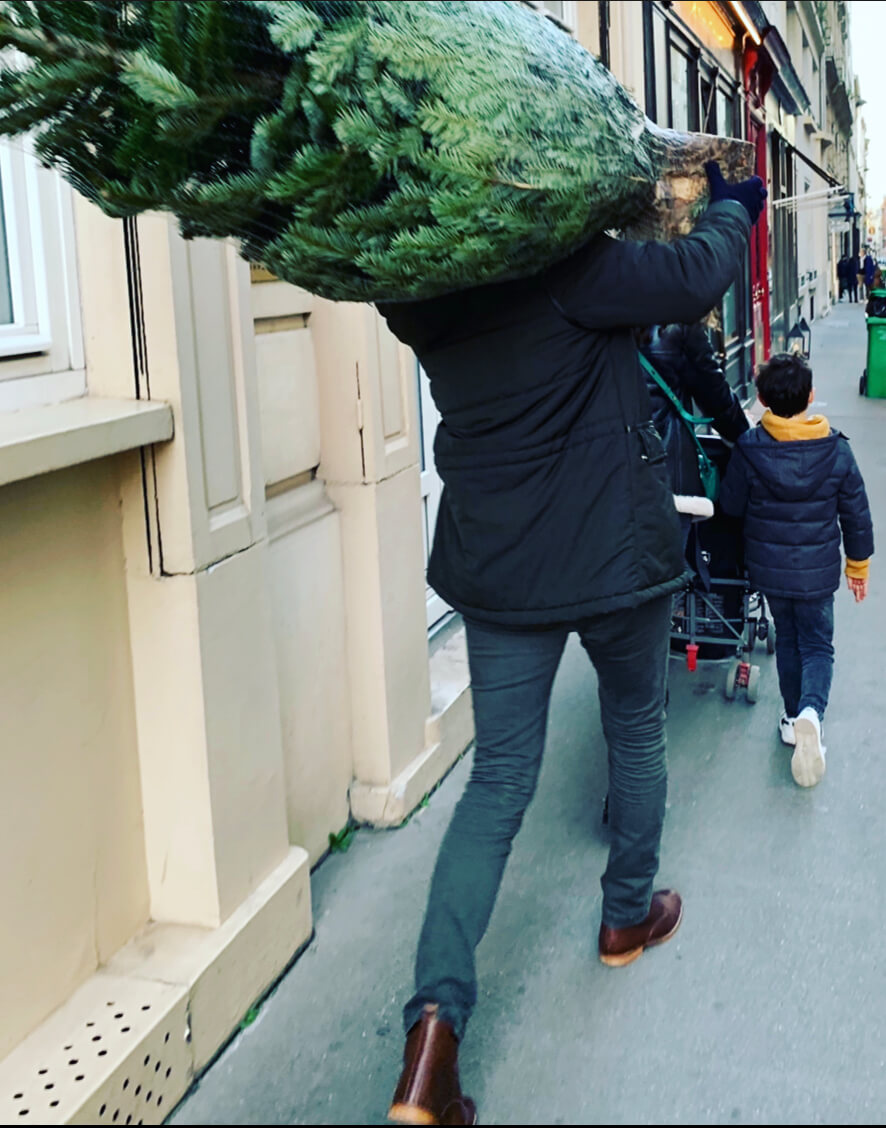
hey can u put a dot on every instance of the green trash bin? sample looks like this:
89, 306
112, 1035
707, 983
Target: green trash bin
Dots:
873, 382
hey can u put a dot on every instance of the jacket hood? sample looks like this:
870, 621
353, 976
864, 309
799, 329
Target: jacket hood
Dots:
792, 470
805, 427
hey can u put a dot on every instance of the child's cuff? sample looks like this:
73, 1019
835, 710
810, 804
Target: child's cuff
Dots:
857, 569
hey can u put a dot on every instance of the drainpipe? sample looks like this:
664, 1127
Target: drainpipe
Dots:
604, 26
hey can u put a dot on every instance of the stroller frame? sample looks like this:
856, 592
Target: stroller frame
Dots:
718, 569
700, 614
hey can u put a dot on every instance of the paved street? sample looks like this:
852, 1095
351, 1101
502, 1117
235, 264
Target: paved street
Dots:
768, 1007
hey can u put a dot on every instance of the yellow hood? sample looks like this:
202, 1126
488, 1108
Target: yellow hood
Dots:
799, 427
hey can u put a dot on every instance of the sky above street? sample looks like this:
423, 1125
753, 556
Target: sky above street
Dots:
867, 36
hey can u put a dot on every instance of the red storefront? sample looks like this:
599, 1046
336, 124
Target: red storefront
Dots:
773, 93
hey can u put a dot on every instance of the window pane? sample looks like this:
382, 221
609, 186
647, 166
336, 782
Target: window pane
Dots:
679, 90
730, 313
708, 108
725, 115
5, 287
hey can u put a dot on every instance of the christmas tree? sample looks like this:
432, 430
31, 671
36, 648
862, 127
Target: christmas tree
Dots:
364, 150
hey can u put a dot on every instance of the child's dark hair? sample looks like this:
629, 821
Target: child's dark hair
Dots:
784, 384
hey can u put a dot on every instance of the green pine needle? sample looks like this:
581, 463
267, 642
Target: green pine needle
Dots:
150, 81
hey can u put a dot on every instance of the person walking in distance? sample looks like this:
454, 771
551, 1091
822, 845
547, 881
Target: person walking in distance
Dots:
853, 276
556, 516
843, 276
868, 269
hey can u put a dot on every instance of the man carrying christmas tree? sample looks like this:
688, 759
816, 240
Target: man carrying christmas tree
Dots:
556, 516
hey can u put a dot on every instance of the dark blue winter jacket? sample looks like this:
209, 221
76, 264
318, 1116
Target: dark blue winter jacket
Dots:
796, 497
556, 502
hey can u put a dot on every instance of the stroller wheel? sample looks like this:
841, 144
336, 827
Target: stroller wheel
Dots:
753, 684
732, 671
770, 639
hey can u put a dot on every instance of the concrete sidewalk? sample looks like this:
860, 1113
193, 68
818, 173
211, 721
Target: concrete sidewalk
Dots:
768, 1007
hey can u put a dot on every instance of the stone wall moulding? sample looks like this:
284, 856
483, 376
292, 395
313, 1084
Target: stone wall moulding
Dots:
201, 355
390, 435
367, 395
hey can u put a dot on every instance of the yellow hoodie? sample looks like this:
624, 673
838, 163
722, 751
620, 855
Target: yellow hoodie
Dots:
804, 426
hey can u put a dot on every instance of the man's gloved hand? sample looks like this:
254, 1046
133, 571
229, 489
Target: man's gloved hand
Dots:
749, 193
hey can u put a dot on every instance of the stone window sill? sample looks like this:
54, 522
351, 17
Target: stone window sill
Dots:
38, 440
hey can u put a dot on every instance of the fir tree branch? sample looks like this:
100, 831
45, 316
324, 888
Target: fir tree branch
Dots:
50, 47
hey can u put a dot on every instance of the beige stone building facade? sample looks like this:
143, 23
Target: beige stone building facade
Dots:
214, 634
217, 495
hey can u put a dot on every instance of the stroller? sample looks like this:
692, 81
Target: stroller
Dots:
717, 615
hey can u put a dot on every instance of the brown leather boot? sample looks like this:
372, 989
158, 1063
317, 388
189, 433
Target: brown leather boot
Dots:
429, 1091
620, 946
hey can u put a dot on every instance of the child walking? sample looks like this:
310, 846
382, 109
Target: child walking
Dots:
795, 482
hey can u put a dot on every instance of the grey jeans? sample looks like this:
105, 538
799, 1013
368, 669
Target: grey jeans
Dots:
512, 673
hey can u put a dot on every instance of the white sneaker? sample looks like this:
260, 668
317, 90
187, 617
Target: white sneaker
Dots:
807, 762
786, 730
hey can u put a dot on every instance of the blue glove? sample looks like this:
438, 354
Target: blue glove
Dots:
749, 193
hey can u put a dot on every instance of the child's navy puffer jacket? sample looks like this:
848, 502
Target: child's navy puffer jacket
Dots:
796, 497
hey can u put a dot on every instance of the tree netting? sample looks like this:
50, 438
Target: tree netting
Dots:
363, 150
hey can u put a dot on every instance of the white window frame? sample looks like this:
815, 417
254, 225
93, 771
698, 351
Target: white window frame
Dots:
568, 21
41, 351
570, 14
30, 329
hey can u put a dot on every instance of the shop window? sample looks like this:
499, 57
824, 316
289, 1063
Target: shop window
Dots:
708, 107
655, 49
782, 241
680, 80
730, 313
711, 26
690, 84
725, 114
735, 307
684, 82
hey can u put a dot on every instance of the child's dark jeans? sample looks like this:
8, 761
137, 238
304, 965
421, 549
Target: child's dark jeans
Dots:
804, 651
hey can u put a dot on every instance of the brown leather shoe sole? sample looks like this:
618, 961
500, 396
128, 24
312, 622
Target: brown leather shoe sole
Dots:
414, 1114
622, 959
410, 1114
